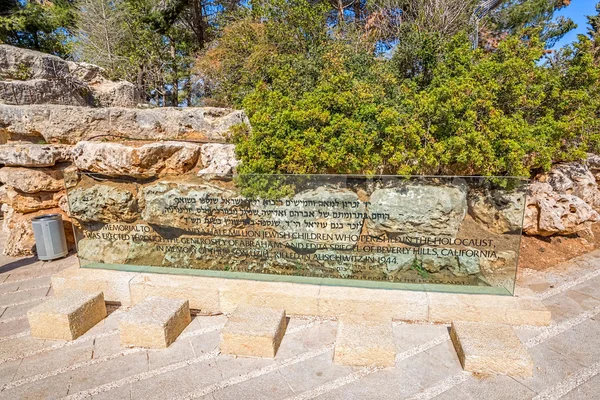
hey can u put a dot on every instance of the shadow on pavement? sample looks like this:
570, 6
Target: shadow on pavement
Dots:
21, 262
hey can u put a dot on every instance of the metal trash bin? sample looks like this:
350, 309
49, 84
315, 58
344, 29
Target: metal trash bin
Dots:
49, 233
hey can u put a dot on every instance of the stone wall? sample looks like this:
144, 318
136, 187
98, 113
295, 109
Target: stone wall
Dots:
57, 115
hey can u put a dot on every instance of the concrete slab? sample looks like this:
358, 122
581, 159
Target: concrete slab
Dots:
490, 349
154, 323
254, 332
67, 317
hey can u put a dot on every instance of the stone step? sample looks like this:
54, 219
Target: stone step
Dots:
68, 316
364, 342
210, 294
494, 349
154, 323
253, 332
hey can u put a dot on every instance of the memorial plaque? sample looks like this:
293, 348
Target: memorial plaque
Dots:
458, 234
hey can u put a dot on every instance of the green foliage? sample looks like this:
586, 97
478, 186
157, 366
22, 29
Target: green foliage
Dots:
42, 26
473, 112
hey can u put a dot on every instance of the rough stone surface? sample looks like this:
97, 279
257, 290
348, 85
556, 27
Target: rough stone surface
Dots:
419, 210
575, 179
551, 213
218, 159
253, 332
69, 125
31, 77
103, 203
144, 161
33, 155
114, 94
365, 342
43, 91
29, 180
67, 317
490, 349
501, 212
31, 202
154, 323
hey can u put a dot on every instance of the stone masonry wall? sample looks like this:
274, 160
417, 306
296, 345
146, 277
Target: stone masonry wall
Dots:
57, 115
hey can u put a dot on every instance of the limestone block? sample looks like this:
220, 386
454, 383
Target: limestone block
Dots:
490, 349
202, 293
295, 299
114, 284
395, 304
33, 155
67, 317
154, 323
365, 342
253, 332
446, 307
29, 180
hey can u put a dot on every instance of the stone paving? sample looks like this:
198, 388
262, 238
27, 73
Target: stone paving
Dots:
566, 354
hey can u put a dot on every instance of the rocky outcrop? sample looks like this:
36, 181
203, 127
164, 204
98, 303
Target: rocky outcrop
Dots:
69, 125
551, 213
218, 159
33, 155
574, 179
500, 211
33, 180
31, 77
419, 210
148, 160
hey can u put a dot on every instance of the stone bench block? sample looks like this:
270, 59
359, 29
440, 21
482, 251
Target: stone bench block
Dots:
253, 332
365, 342
490, 349
154, 323
202, 293
114, 284
68, 316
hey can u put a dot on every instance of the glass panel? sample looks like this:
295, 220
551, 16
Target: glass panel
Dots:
454, 234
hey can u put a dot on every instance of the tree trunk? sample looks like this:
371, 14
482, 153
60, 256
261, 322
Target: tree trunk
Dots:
175, 90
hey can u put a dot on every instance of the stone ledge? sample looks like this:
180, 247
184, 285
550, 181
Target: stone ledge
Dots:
365, 343
154, 323
225, 295
114, 284
253, 332
67, 317
490, 349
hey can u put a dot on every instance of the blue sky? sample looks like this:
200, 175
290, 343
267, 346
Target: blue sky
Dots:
577, 11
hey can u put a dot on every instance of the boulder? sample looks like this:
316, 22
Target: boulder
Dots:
574, 179
551, 213
33, 155
498, 210
30, 202
218, 159
103, 203
593, 161
20, 241
114, 94
69, 125
418, 210
30, 180
145, 161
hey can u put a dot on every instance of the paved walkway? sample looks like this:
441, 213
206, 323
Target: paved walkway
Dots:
566, 354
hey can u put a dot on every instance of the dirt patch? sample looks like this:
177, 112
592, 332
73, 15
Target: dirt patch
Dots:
541, 253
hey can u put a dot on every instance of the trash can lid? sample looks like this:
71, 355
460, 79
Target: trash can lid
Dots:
46, 216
